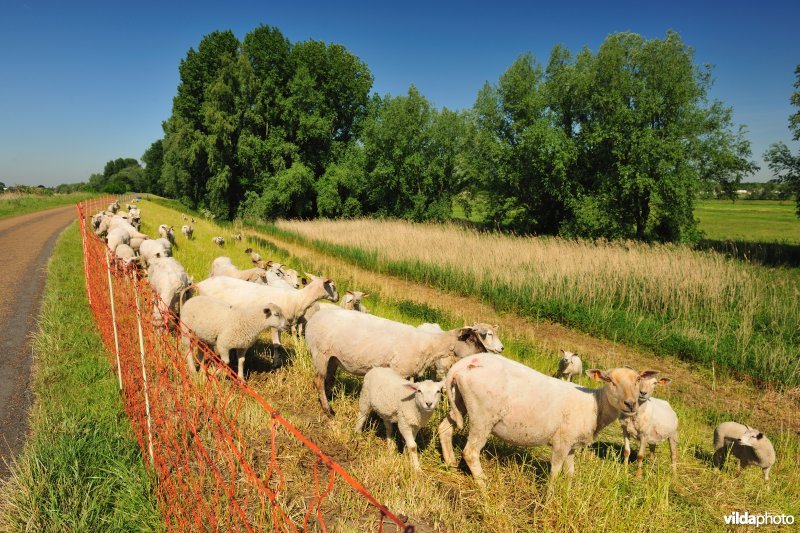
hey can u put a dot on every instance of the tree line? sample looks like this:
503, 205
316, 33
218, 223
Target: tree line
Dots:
615, 143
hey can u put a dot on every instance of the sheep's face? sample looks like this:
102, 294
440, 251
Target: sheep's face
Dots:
274, 316
622, 386
426, 394
648, 386
751, 437
569, 360
327, 284
291, 277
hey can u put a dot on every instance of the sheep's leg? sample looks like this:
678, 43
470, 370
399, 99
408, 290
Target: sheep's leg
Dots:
640, 456
446, 440
557, 458
766, 473
570, 462
189, 354
410, 437
240, 354
363, 412
389, 430
478, 435
324, 384
673, 451
626, 451
276, 336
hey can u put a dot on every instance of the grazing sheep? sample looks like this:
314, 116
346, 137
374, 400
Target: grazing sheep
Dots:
293, 303
227, 327
187, 231
118, 236
276, 278
222, 266
219, 241
527, 408
114, 207
150, 250
352, 301
129, 207
167, 232
653, 423
191, 219
237, 236
126, 254
184, 217
166, 244
167, 277
359, 342
397, 400
747, 444
254, 257
136, 243
569, 366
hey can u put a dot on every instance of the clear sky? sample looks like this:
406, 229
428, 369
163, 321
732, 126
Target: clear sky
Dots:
85, 82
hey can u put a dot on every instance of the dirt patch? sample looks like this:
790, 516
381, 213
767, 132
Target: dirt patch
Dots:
701, 388
26, 242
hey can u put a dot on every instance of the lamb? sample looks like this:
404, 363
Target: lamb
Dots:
126, 254
227, 327
527, 408
150, 250
219, 241
400, 401
293, 303
653, 423
254, 257
569, 366
167, 277
222, 266
187, 231
359, 342
118, 236
747, 444
352, 301
167, 232
237, 236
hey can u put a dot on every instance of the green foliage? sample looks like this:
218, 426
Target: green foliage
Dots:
784, 165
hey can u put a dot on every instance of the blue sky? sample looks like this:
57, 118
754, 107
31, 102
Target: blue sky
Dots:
85, 82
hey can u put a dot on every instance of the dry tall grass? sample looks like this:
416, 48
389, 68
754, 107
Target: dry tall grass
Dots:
698, 304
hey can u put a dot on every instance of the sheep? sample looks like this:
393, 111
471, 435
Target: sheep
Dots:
114, 207
293, 303
167, 277
167, 232
443, 365
527, 408
191, 219
397, 400
184, 217
150, 250
136, 243
166, 244
352, 301
359, 342
126, 254
118, 236
227, 327
237, 236
747, 444
654, 422
222, 266
277, 279
254, 257
569, 366
134, 212
187, 231
219, 241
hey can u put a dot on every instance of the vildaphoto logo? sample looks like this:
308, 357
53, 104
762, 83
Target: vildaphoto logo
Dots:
746, 519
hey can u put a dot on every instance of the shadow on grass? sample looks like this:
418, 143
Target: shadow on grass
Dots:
762, 253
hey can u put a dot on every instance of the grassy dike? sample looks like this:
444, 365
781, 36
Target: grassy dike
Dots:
81, 469
13, 205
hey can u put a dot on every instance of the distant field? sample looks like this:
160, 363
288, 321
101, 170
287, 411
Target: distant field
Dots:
13, 204
749, 220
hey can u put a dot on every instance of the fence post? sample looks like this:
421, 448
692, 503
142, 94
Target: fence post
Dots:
113, 318
144, 370
82, 222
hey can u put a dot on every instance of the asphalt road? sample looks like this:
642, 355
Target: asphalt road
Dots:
26, 243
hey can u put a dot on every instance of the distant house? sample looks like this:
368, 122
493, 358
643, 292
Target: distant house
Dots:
742, 192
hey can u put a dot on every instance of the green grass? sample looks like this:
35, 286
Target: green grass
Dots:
81, 469
13, 204
604, 495
749, 220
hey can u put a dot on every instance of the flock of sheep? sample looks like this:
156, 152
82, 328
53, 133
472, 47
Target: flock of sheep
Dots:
501, 397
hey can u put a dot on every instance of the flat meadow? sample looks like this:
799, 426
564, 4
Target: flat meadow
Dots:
376, 257
749, 220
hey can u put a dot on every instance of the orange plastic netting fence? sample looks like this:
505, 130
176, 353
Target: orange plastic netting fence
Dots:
197, 433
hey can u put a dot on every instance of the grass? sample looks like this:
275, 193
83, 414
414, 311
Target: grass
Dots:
603, 495
19, 204
696, 305
81, 469
749, 220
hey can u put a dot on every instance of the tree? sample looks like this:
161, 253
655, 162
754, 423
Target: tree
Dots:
153, 159
784, 165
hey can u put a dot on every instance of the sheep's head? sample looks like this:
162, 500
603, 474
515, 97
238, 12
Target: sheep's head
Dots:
622, 386
752, 437
476, 339
355, 297
274, 317
567, 357
327, 284
648, 386
426, 394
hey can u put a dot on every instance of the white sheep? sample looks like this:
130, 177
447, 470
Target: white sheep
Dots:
219, 241
125, 253
187, 231
359, 342
150, 250
167, 232
184, 217
168, 278
113, 207
293, 303
117, 236
227, 327
397, 400
527, 408
237, 236
442, 365
654, 422
166, 244
352, 301
747, 444
254, 257
136, 243
569, 366
223, 266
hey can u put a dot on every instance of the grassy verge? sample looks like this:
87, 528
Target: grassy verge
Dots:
604, 495
749, 220
13, 205
81, 469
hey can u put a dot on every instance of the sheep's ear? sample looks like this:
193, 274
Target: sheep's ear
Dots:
465, 332
496, 327
598, 375
267, 312
412, 387
364, 295
759, 436
304, 281
560, 350
648, 374
349, 292
248, 250
664, 381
